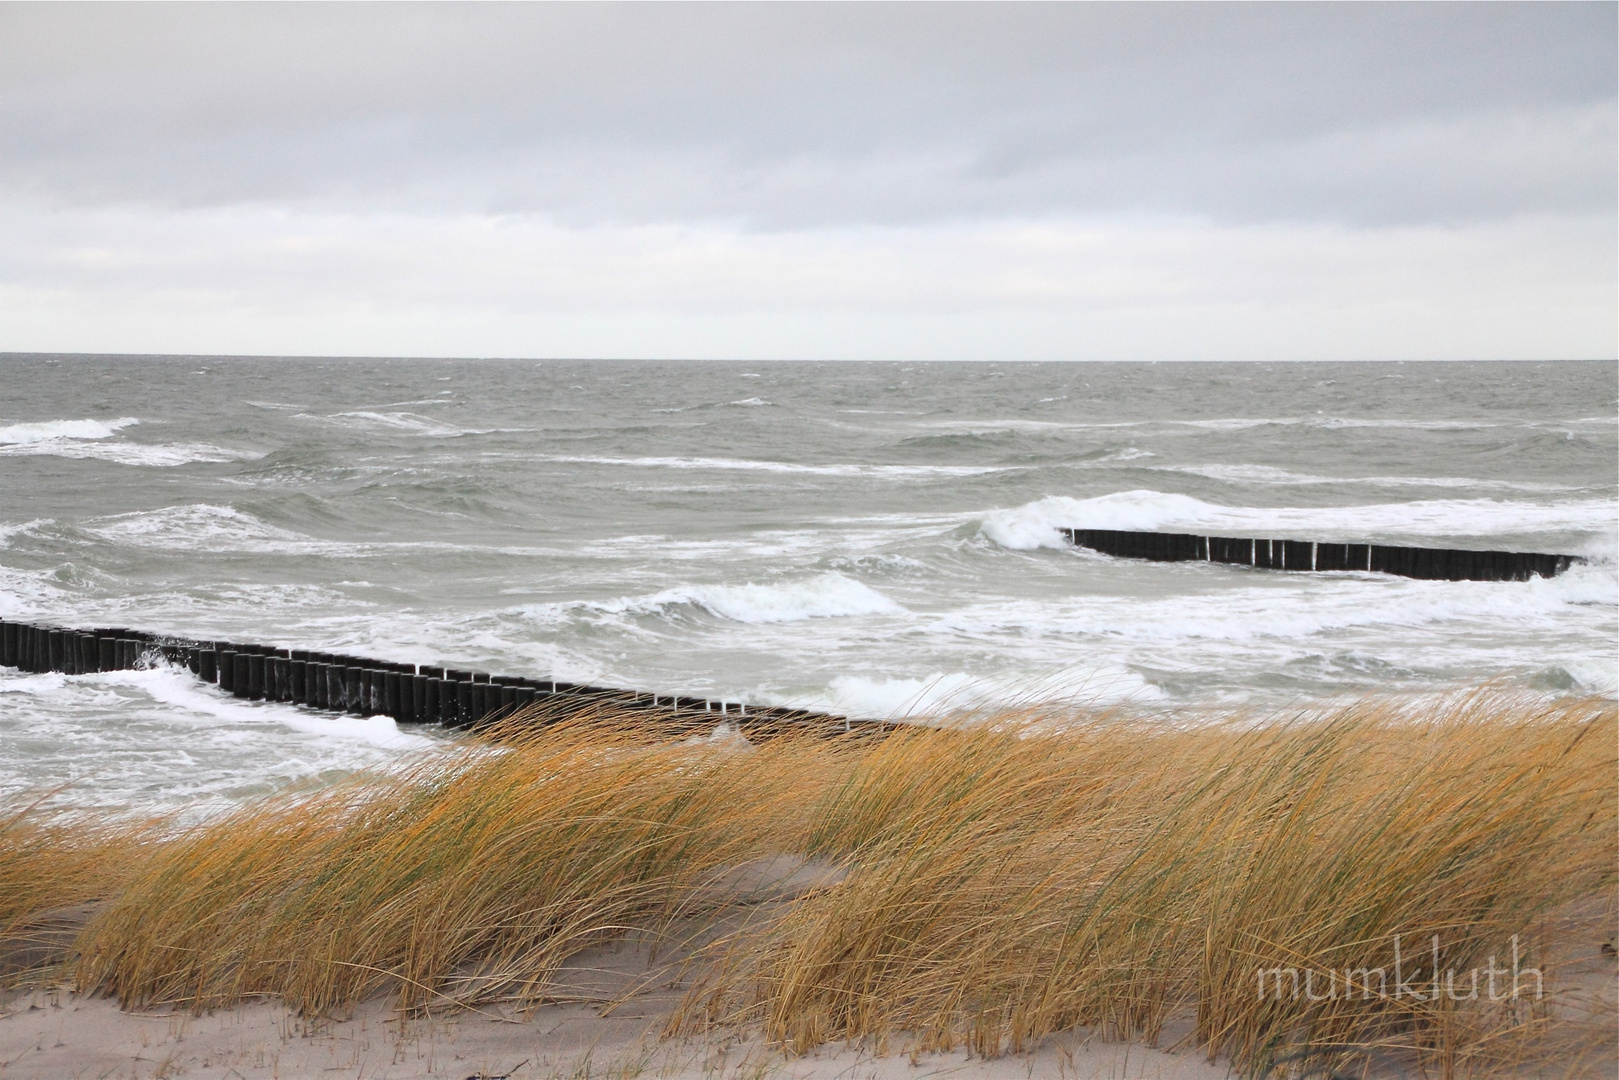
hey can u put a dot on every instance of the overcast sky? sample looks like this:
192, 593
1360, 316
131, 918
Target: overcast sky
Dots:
957, 181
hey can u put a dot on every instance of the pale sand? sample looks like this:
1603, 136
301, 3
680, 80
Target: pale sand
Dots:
55, 1037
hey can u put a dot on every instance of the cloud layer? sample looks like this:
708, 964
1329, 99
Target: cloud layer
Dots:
952, 181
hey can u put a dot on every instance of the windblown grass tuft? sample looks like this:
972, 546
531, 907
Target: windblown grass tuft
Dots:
995, 882
56, 866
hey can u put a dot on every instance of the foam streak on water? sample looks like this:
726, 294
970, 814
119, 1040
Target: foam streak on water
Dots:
874, 539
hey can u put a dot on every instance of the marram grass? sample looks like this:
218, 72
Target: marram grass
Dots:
997, 882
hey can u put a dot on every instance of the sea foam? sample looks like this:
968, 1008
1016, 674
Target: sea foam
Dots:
824, 596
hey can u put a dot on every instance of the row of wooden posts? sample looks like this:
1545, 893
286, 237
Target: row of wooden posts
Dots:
338, 682
460, 698
1433, 564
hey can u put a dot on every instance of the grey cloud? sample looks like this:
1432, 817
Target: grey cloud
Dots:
807, 115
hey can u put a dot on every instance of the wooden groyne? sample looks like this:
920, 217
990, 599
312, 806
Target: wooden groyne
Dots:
1430, 564
410, 694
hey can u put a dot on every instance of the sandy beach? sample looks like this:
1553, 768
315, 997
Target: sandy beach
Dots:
56, 1036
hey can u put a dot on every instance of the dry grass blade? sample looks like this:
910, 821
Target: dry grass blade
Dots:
56, 867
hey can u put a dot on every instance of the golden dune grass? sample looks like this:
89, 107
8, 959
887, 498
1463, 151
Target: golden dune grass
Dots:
1002, 881
55, 860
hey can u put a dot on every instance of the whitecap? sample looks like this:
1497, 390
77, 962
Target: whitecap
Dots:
744, 464
45, 431
829, 595
94, 439
823, 596
1269, 474
157, 455
409, 422
941, 693
192, 527
998, 427
1333, 423
7, 531
1595, 674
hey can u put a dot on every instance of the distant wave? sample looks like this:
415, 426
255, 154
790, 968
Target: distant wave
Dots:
211, 527
94, 439
746, 464
156, 455
894, 698
10, 529
197, 527
21, 434
1267, 474
408, 422
827, 595
1242, 423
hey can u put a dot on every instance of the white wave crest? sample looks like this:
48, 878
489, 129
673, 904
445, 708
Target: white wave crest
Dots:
157, 455
8, 530
823, 596
94, 439
745, 465
940, 693
45, 431
197, 526
1598, 675
400, 421
1266, 474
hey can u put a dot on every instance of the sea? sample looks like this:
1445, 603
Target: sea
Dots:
870, 539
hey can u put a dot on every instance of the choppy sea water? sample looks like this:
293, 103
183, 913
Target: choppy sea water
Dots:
871, 539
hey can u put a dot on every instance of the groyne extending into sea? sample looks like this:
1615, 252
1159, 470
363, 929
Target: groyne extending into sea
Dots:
463, 698
1432, 564
408, 693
